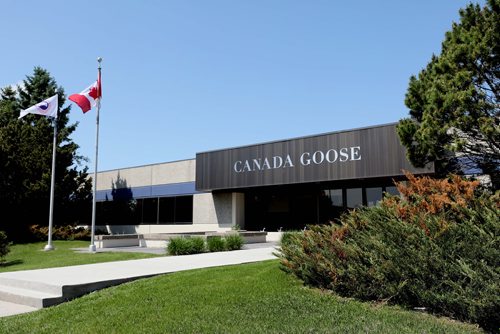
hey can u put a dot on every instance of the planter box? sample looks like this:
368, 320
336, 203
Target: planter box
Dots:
249, 237
160, 240
120, 240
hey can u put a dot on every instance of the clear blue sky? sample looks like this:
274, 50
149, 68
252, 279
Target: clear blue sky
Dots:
181, 77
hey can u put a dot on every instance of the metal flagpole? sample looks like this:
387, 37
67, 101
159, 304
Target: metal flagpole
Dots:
92, 247
49, 245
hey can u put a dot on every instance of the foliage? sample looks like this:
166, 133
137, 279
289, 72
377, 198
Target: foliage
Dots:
4, 246
197, 245
185, 246
234, 242
66, 232
437, 246
216, 244
288, 237
26, 160
454, 102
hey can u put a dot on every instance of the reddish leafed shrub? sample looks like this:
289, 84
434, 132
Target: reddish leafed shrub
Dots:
437, 246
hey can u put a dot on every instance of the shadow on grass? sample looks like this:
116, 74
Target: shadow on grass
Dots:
11, 263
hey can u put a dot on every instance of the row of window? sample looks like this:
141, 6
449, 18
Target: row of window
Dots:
156, 210
355, 197
179, 210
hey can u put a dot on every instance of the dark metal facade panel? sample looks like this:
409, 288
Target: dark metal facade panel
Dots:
354, 154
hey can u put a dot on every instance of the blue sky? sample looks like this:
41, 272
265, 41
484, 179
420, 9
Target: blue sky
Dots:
181, 77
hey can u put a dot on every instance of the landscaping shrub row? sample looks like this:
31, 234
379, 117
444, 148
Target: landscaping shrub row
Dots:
196, 245
437, 246
67, 232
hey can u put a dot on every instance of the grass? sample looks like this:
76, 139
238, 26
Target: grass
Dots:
251, 298
32, 256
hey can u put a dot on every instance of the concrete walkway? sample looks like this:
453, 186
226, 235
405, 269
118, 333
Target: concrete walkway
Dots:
28, 290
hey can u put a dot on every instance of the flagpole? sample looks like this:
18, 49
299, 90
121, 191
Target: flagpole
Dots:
49, 245
92, 247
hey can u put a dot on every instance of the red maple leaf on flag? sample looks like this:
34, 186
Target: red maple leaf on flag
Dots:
93, 93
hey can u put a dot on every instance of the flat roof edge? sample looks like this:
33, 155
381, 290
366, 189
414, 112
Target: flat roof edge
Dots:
300, 137
141, 166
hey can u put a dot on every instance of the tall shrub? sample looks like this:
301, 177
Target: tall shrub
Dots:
437, 246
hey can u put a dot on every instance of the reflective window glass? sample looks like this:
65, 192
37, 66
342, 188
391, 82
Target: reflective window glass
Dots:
392, 190
150, 211
354, 197
336, 197
184, 210
373, 196
167, 210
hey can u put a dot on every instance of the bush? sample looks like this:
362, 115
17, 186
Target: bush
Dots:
67, 232
4, 246
234, 242
437, 246
197, 245
288, 237
185, 246
38, 233
216, 244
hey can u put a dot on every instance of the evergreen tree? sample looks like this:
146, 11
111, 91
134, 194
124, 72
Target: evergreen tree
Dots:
26, 160
454, 102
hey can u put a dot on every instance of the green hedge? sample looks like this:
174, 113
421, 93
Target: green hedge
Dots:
430, 250
234, 242
195, 245
216, 244
185, 246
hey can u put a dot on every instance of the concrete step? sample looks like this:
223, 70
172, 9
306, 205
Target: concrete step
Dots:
31, 285
28, 297
8, 309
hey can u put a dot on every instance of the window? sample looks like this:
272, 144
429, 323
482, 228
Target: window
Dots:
184, 210
167, 210
392, 190
156, 210
176, 210
150, 211
336, 197
138, 208
354, 197
373, 196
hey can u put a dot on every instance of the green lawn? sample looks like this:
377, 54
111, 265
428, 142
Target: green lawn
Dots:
251, 298
32, 256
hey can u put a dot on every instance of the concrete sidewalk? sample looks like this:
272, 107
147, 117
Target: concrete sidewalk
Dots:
25, 291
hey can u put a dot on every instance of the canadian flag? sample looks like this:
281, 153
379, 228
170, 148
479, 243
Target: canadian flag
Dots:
89, 97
